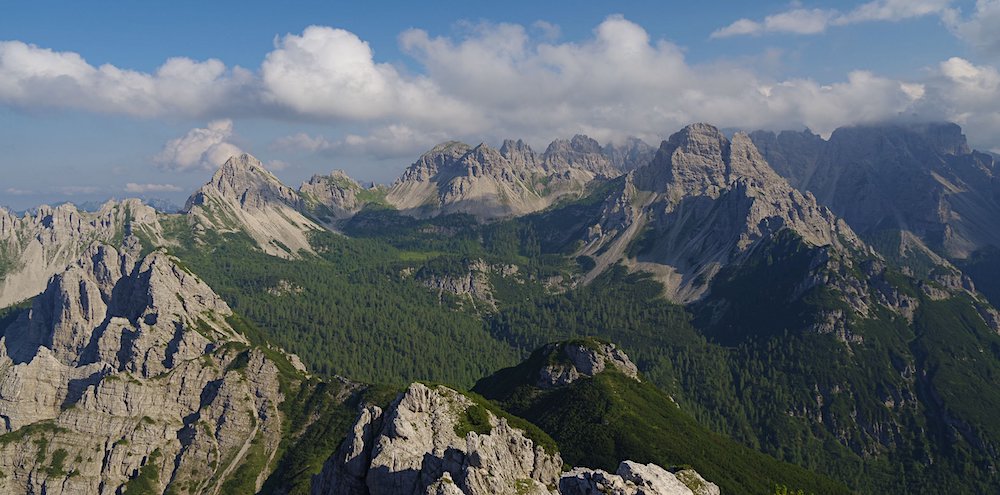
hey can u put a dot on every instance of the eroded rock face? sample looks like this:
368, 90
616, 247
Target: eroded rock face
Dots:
633, 478
126, 365
39, 245
578, 360
244, 196
473, 284
704, 203
337, 195
514, 180
422, 445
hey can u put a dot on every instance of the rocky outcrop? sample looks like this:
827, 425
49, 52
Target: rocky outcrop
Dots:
244, 197
570, 361
40, 244
635, 479
436, 440
472, 283
581, 153
456, 178
337, 196
126, 368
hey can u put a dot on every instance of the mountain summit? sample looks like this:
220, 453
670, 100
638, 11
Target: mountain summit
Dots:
244, 197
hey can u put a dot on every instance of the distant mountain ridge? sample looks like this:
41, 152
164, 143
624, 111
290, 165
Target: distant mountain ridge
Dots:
920, 178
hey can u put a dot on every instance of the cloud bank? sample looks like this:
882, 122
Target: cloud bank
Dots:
502, 80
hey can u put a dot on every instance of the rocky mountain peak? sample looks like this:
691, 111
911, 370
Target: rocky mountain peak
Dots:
511, 146
519, 154
439, 157
921, 178
41, 243
132, 360
693, 161
580, 152
437, 440
244, 179
573, 360
917, 139
244, 196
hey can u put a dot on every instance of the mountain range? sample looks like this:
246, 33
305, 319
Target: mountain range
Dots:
774, 310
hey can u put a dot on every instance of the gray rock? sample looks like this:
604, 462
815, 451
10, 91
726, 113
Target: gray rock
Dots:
577, 360
123, 365
921, 178
39, 245
417, 449
514, 180
634, 479
337, 195
244, 197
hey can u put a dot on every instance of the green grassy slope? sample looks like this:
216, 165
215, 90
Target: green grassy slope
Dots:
601, 421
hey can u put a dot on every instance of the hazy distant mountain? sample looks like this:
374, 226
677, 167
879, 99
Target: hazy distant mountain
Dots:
922, 179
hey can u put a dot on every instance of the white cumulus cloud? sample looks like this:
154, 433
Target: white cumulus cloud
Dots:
393, 141
31, 76
201, 148
494, 81
327, 72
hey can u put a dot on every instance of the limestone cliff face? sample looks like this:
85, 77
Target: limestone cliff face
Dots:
423, 444
244, 196
337, 196
630, 154
40, 244
434, 440
633, 478
704, 203
922, 179
456, 178
513, 180
126, 367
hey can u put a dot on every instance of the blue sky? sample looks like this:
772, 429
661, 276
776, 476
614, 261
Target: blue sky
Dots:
144, 98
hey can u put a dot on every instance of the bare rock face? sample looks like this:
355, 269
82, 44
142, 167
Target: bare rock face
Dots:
481, 181
473, 283
489, 183
436, 440
39, 245
703, 203
244, 196
337, 196
629, 155
633, 478
580, 152
575, 360
126, 367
